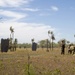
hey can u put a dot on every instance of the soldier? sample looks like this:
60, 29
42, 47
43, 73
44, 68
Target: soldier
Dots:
63, 47
74, 50
70, 49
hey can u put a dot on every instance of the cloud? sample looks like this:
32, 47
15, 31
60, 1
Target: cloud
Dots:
45, 14
31, 9
13, 15
24, 32
13, 3
54, 8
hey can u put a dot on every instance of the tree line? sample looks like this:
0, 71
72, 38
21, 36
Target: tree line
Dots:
40, 44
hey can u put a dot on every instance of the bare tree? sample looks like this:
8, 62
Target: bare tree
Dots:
51, 36
12, 38
12, 33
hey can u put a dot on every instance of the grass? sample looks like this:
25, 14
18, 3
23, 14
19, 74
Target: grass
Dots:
41, 62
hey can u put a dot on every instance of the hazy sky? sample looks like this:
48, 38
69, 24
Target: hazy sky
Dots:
33, 18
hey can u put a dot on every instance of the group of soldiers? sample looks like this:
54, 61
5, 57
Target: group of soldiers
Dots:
71, 48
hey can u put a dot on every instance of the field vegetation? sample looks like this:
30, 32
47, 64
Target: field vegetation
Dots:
40, 62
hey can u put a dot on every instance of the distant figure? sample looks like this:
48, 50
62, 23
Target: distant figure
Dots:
71, 49
74, 50
63, 47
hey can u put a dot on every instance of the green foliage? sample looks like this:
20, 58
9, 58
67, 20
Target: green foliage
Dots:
54, 72
44, 44
25, 45
1, 64
31, 70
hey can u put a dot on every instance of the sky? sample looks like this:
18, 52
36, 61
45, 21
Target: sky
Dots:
34, 18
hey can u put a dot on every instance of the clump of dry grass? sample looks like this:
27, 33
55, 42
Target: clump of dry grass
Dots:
40, 63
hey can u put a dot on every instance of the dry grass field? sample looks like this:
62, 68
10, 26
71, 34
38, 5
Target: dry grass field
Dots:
40, 62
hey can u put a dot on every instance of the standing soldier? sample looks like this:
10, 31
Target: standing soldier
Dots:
63, 47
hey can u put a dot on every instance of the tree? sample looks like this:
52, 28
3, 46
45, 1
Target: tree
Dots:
42, 43
15, 43
12, 38
51, 36
32, 40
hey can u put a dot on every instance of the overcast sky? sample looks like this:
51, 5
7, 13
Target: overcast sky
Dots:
34, 18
